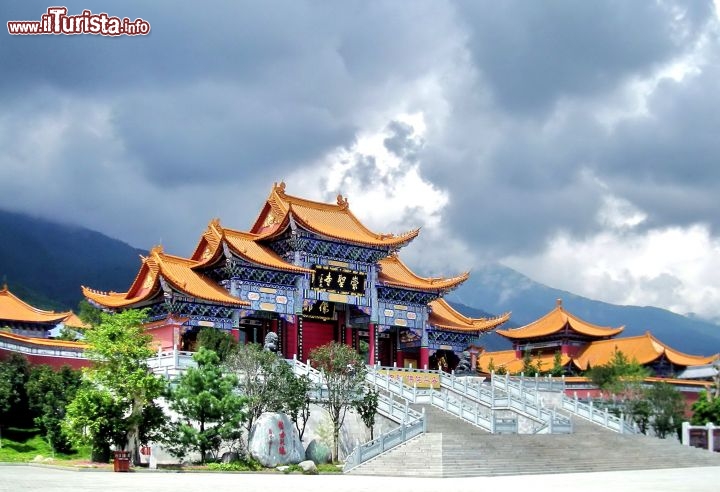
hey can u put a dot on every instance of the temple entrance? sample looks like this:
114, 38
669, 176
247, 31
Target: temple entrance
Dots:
317, 333
188, 339
443, 360
387, 347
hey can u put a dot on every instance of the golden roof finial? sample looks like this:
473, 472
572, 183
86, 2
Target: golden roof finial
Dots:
342, 202
558, 302
215, 224
157, 250
280, 188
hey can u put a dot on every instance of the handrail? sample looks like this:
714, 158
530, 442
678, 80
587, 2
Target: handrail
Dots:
529, 398
464, 408
412, 423
518, 402
601, 417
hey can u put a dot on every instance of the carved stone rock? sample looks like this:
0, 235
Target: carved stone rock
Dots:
274, 441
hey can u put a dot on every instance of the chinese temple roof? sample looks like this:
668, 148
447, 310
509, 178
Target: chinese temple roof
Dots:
244, 244
394, 272
331, 220
506, 359
14, 309
176, 271
442, 315
556, 321
43, 342
644, 348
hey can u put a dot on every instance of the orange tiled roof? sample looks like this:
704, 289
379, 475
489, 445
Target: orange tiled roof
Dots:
178, 271
507, 360
210, 245
75, 321
444, 316
644, 348
43, 342
651, 379
244, 244
554, 322
175, 270
14, 309
331, 220
396, 273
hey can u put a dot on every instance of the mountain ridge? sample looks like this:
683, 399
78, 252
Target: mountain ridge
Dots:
45, 263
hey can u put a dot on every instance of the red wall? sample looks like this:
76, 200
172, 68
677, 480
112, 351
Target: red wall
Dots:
163, 335
315, 334
54, 362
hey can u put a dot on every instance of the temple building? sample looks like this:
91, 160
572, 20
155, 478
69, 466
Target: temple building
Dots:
28, 330
310, 272
583, 345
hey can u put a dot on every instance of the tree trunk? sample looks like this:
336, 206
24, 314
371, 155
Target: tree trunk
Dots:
336, 443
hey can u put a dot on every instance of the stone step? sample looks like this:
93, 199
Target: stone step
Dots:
465, 451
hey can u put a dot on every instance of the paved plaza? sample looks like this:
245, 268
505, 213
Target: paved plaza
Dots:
15, 478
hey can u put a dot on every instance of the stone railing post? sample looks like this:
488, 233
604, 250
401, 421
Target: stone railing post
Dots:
711, 438
686, 433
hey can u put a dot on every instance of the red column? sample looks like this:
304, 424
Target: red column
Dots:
400, 358
371, 341
349, 336
424, 358
292, 345
235, 332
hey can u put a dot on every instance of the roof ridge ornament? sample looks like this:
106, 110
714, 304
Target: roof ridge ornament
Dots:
279, 187
342, 202
157, 250
558, 302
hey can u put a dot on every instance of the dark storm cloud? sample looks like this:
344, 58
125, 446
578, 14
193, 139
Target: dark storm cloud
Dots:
219, 94
526, 155
401, 141
532, 54
668, 160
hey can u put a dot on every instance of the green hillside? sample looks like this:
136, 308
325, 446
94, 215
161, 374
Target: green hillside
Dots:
45, 263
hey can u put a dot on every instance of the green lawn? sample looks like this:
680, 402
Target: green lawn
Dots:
20, 445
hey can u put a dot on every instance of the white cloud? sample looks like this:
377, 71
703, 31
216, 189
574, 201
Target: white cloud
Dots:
673, 268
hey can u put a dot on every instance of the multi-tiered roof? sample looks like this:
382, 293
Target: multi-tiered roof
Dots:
281, 213
600, 345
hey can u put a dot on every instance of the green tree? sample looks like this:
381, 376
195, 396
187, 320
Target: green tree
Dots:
530, 367
557, 367
94, 417
293, 396
367, 409
668, 406
260, 380
640, 411
706, 409
89, 314
210, 410
620, 376
49, 393
219, 341
343, 376
14, 410
119, 348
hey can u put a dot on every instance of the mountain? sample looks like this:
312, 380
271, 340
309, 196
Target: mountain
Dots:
497, 289
45, 263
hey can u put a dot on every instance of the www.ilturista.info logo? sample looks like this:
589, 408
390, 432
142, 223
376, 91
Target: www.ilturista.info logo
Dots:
56, 21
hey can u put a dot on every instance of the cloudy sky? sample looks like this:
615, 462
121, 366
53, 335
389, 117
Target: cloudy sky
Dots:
576, 142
